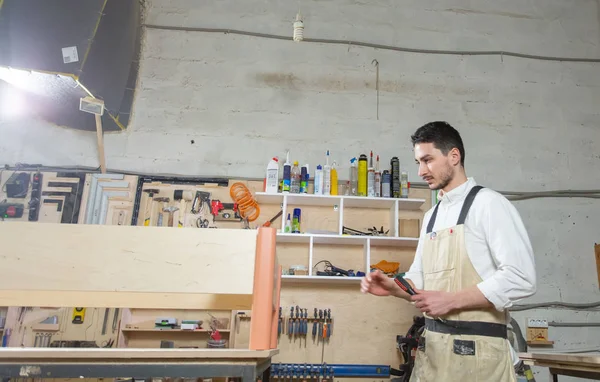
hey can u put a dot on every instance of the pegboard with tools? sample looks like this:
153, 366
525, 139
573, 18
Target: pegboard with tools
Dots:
45, 196
198, 203
318, 324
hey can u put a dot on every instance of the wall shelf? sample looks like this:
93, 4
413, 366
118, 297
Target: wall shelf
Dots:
142, 330
341, 211
333, 200
320, 279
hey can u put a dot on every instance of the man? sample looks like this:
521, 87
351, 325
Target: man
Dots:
473, 261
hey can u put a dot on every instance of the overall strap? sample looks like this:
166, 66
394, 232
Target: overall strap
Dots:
467, 204
433, 216
463, 212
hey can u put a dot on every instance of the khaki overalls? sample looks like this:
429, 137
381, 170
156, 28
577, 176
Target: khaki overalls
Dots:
469, 346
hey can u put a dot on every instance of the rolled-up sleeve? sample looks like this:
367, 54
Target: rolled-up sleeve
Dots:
510, 247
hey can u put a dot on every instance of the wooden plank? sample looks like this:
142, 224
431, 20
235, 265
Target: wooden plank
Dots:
551, 359
129, 260
125, 300
101, 354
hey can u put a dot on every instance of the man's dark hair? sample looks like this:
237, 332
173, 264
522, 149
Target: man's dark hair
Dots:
443, 136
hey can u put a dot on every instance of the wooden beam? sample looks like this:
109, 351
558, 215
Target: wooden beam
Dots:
126, 266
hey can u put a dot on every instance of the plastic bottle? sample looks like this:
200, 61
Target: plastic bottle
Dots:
353, 177
386, 180
288, 225
404, 185
319, 180
362, 175
287, 176
295, 179
377, 179
334, 179
371, 178
327, 176
304, 179
272, 178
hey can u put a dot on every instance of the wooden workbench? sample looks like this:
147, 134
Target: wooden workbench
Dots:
573, 365
136, 363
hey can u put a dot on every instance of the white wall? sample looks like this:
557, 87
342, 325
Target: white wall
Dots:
528, 124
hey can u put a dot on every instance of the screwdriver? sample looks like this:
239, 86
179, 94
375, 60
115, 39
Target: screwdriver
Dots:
279, 324
290, 323
314, 332
404, 285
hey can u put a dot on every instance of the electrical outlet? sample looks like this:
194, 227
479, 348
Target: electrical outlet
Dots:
537, 323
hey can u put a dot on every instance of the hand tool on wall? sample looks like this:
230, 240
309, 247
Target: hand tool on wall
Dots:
279, 323
268, 223
105, 321
36, 195
78, 315
290, 322
11, 210
330, 331
320, 323
314, 328
305, 322
297, 330
159, 223
182, 196
17, 185
115, 320
170, 210
200, 200
148, 213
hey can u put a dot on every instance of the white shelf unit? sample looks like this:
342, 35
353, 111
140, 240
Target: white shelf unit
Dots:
339, 203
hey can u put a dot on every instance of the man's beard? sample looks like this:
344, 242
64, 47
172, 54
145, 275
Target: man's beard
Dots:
445, 178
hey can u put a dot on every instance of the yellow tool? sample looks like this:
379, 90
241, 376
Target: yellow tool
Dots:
78, 315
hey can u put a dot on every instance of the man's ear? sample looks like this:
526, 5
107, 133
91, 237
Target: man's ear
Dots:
454, 156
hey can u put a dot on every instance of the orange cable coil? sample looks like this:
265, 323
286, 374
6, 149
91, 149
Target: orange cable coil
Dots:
247, 206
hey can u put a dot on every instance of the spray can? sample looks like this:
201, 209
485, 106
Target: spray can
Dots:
395, 185
353, 178
377, 179
386, 179
334, 179
287, 175
362, 175
304, 179
296, 221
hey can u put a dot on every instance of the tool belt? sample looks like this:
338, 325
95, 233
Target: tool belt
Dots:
473, 328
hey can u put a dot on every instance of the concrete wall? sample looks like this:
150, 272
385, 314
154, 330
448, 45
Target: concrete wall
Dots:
528, 124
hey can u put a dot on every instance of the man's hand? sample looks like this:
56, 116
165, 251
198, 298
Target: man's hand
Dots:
377, 284
434, 303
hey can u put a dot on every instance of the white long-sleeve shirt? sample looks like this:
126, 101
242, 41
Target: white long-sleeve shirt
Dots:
496, 241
